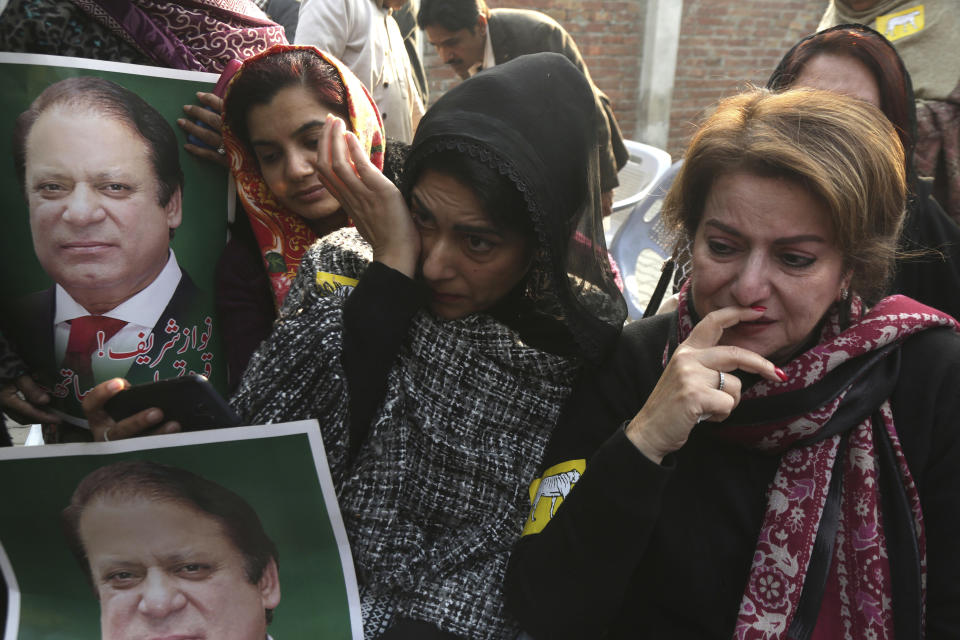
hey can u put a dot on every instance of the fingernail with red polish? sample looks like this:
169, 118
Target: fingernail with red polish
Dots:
759, 309
780, 374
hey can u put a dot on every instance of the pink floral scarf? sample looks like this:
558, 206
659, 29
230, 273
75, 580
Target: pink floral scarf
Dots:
859, 569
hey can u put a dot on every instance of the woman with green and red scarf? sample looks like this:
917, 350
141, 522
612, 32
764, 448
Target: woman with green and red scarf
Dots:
779, 457
273, 116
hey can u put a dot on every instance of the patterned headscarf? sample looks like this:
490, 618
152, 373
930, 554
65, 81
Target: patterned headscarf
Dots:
818, 439
197, 35
282, 235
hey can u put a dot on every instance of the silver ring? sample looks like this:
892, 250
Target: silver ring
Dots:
703, 416
106, 434
722, 381
221, 150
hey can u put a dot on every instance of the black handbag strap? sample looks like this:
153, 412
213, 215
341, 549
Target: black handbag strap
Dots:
666, 275
815, 582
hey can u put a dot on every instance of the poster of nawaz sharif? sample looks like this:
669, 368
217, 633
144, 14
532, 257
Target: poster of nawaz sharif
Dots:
227, 534
108, 257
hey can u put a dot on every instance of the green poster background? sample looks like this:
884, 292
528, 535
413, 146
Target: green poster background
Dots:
275, 475
197, 242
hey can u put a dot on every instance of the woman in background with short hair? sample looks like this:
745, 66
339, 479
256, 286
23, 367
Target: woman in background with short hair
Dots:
856, 60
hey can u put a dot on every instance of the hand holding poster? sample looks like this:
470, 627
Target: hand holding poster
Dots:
228, 534
115, 250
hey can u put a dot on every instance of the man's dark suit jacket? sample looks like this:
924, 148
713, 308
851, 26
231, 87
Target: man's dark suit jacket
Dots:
517, 32
29, 327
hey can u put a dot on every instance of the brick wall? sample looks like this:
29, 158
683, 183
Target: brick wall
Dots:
724, 44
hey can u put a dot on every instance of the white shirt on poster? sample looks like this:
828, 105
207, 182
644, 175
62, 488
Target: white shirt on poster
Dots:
141, 312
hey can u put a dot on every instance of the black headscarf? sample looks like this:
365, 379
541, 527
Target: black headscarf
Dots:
532, 119
929, 270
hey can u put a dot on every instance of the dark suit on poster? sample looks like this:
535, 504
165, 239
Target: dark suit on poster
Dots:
517, 32
30, 327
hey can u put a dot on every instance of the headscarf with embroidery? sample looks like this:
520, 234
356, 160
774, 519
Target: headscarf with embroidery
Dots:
282, 235
200, 35
532, 124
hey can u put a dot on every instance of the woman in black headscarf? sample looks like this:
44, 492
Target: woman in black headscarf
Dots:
437, 341
856, 60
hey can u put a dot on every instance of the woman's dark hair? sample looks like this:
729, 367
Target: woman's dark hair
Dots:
113, 101
261, 79
452, 15
873, 51
498, 195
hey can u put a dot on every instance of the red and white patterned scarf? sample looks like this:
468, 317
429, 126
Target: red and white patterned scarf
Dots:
282, 235
860, 570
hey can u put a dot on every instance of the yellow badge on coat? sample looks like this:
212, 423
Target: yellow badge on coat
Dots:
333, 284
547, 493
902, 23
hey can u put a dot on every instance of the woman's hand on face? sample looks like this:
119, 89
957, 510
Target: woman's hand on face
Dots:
210, 135
24, 401
688, 391
103, 427
373, 203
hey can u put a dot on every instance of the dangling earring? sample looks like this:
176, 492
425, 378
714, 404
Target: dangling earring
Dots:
844, 294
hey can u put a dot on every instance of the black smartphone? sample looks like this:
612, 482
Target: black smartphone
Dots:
190, 400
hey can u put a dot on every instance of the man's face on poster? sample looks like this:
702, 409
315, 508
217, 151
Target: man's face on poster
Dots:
98, 228
164, 570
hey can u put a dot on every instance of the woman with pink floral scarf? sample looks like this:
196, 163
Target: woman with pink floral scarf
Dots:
780, 457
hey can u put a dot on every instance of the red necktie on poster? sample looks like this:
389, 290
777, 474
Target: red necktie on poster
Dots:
88, 334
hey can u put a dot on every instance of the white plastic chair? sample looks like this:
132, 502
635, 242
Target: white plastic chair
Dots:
644, 167
642, 244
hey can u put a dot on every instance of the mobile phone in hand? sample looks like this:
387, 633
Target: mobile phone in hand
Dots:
190, 400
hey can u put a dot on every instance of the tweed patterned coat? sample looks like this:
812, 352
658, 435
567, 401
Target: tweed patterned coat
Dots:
436, 496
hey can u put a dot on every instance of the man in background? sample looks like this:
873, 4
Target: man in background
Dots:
470, 37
